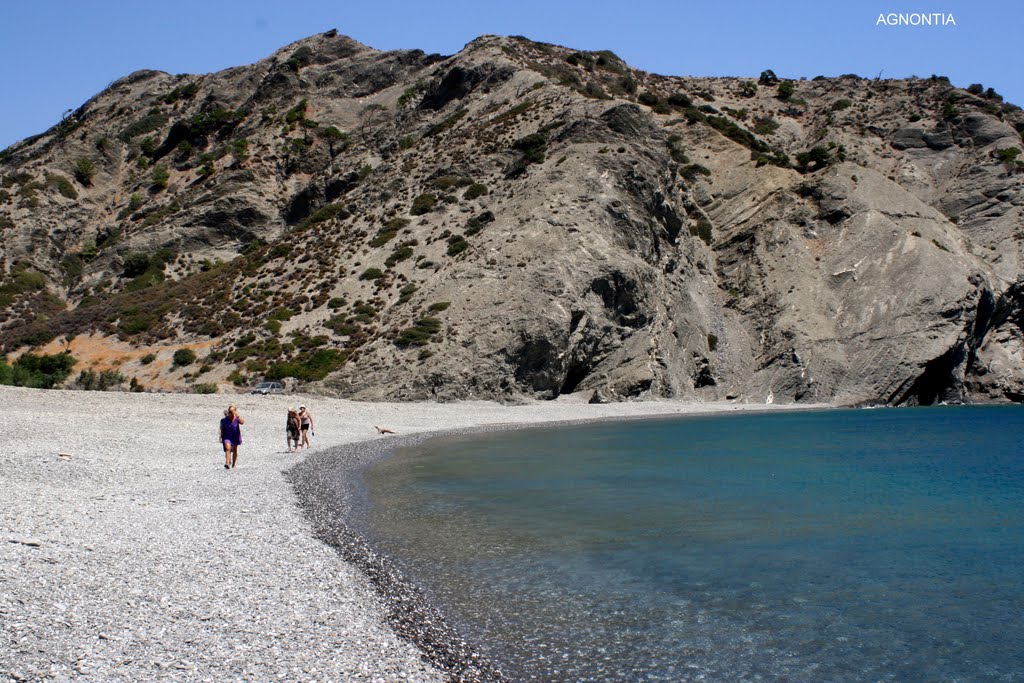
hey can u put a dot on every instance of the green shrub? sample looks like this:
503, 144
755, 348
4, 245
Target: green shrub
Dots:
147, 359
336, 302
473, 226
424, 203
63, 186
182, 92
281, 313
691, 171
35, 371
786, 90
840, 105
136, 323
273, 326
440, 305
154, 120
207, 169
73, 265
134, 204
340, 325
594, 91
240, 150
309, 367
364, 313
419, 334
734, 132
85, 170
447, 182
818, 157
300, 58
371, 274
183, 357
398, 255
456, 245
135, 264
160, 177
712, 342
324, 213
336, 138
148, 145
409, 93
406, 293
1008, 155
766, 126
475, 190
99, 381
648, 98
207, 122
533, 147
22, 281
389, 231
204, 388
768, 77
184, 150
702, 230
680, 100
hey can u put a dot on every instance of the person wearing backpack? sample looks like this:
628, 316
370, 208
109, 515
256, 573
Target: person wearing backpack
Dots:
292, 429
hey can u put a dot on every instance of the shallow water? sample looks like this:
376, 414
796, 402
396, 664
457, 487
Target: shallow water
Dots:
837, 545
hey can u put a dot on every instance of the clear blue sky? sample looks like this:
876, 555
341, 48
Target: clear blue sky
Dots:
56, 54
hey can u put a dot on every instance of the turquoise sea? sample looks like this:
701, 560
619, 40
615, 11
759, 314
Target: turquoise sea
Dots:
869, 545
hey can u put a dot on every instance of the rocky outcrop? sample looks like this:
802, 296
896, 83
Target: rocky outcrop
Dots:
521, 219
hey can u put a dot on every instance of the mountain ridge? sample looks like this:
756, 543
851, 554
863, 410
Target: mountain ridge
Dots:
522, 219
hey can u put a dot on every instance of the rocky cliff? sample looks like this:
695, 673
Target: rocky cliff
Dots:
522, 219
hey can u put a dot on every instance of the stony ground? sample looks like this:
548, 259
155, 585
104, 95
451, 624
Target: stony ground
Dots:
136, 556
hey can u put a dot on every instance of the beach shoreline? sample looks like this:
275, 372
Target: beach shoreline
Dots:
130, 553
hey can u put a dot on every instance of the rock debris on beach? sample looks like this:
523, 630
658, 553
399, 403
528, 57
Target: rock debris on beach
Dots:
141, 558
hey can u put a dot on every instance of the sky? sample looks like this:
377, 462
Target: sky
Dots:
56, 54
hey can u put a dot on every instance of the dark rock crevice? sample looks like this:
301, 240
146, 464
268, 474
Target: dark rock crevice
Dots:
459, 82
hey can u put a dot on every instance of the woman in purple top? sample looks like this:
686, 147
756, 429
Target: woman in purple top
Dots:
231, 435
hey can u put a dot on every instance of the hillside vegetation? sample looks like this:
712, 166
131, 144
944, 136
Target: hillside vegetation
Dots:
522, 219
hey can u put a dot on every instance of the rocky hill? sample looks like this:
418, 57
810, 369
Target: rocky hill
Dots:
522, 219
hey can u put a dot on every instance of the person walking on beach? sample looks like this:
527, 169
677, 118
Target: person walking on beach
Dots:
231, 435
292, 429
306, 424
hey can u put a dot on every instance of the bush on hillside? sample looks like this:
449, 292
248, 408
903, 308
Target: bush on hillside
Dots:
183, 357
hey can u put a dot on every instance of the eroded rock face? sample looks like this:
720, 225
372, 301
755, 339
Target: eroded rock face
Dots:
526, 220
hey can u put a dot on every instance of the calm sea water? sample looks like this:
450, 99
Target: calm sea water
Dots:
873, 545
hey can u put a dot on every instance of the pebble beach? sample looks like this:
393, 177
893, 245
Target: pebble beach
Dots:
128, 553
